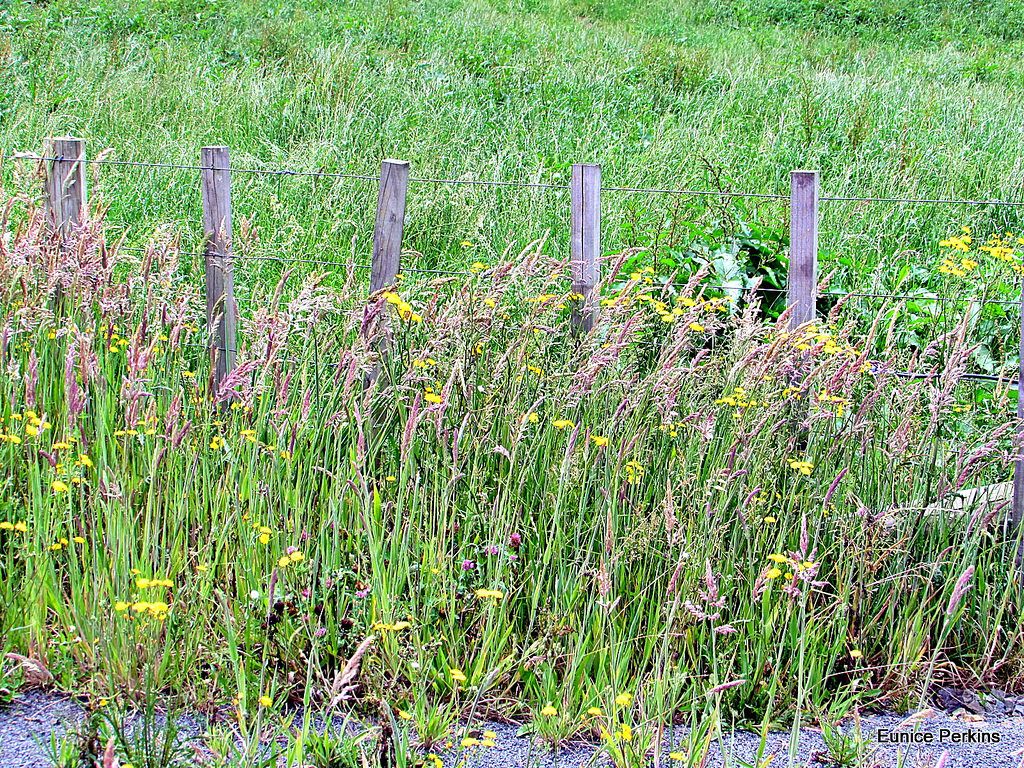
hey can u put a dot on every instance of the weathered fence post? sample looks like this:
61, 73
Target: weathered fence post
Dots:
1017, 514
387, 233
221, 311
64, 186
387, 238
585, 246
65, 192
803, 247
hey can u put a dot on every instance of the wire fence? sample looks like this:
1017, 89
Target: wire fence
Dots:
502, 183
246, 255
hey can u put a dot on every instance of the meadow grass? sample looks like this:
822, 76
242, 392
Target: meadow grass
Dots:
690, 514
893, 100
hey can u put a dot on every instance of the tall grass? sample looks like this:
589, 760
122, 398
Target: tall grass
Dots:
688, 512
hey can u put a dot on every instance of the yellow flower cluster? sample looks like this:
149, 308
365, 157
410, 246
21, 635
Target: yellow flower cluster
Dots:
484, 594
789, 563
150, 430
142, 583
950, 267
403, 307
379, 626
738, 401
643, 276
1002, 248
803, 467
634, 472
157, 610
20, 526
33, 425
488, 740
285, 560
840, 402
959, 242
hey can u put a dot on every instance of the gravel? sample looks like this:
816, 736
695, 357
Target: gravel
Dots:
28, 722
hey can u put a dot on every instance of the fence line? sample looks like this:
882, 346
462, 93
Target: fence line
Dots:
478, 182
65, 192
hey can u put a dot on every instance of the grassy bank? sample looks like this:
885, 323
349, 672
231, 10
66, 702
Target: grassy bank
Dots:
689, 514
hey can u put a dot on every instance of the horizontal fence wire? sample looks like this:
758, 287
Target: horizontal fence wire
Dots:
1009, 381
708, 192
644, 190
466, 273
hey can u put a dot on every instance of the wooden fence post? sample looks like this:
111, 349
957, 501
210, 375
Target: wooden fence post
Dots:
65, 193
803, 247
1017, 513
221, 311
387, 238
585, 246
387, 233
64, 186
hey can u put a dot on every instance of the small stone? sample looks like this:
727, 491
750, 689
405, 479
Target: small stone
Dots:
972, 703
949, 699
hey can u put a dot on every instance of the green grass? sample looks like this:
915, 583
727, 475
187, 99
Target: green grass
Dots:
887, 100
635, 566
686, 499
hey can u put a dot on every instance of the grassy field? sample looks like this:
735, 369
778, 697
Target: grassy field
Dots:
892, 100
689, 515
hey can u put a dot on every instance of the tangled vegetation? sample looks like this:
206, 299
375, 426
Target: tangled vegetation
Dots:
690, 513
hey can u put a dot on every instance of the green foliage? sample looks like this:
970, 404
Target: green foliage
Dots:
663, 95
314, 514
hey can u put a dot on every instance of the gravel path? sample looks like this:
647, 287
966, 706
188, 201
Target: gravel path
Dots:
997, 741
